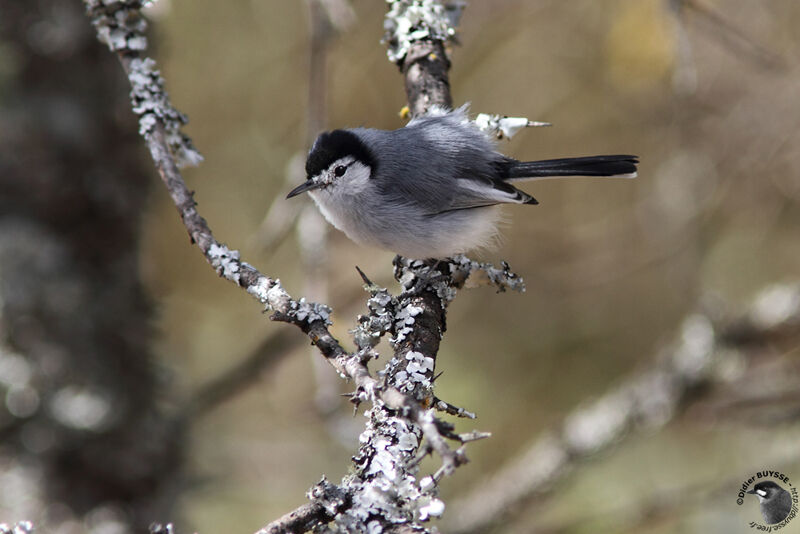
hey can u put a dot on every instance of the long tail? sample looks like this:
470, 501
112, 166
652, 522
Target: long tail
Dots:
620, 166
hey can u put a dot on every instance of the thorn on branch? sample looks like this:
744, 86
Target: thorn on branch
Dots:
450, 409
475, 435
450, 462
369, 286
425, 451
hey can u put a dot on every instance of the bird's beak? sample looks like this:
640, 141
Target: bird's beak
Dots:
308, 185
751, 492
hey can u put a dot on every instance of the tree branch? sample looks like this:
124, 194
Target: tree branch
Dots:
326, 501
233, 380
384, 486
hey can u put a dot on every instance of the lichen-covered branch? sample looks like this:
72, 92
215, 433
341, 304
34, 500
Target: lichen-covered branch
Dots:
383, 493
417, 34
326, 501
402, 425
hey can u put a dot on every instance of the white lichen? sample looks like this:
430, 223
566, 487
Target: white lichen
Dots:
409, 21
404, 322
120, 25
225, 261
434, 508
775, 305
383, 489
595, 426
427, 483
22, 527
276, 297
379, 321
418, 371
502, 278
310, 312
151, 103
501, 126
694, 354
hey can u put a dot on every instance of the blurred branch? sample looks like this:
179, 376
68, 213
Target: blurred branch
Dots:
779, 404
326, 19
311, 230
727, 33
160, 125
684, 79
700, 356
281, 217
245, 373
237, 378
654, 508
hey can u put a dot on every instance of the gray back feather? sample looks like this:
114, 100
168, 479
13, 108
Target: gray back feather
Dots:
417, 163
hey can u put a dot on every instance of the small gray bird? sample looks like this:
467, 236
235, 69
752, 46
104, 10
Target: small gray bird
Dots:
776, 502
431, 189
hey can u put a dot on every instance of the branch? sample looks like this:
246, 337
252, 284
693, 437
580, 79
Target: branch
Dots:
233, 380
160, 126
298, 521
384, 485
729, 34
326, 501
650, 399
417, 33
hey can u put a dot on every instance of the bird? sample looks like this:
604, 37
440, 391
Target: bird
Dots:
776, 502
431, 189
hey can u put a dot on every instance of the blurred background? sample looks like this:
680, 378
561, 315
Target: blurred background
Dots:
126, 400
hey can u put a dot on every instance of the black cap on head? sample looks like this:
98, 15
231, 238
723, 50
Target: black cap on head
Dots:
331, 146
767, 484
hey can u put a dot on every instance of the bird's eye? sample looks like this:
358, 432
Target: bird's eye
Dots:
340, 170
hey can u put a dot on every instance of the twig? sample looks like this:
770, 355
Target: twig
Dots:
448, 408
298, 521
326, 501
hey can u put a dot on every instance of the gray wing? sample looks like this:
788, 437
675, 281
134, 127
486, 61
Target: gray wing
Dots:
439, 164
